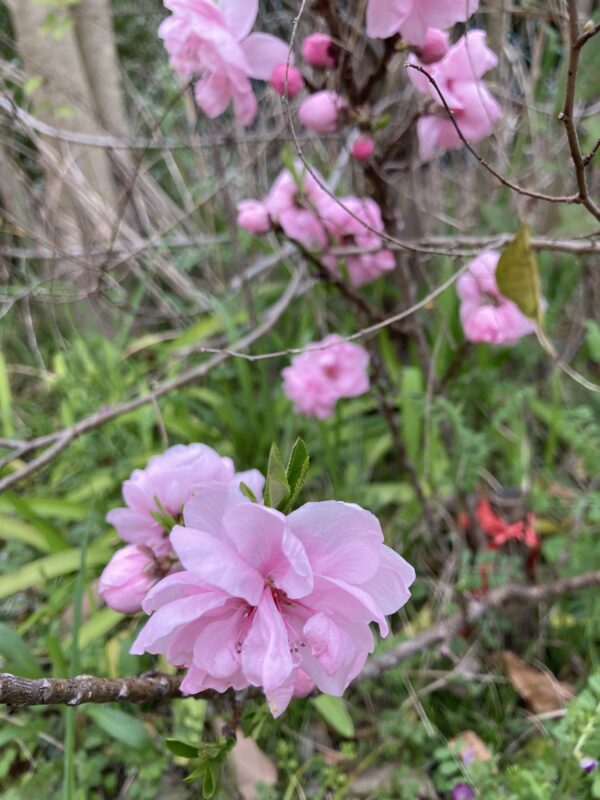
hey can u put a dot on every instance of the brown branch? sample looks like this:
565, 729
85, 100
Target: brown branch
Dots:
476, 610
567, 113
16, 691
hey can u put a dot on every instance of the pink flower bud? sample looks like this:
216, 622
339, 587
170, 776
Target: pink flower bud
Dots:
320, 51
253, 217
321, 111
294, 84
363, 148
434, 48
127, 578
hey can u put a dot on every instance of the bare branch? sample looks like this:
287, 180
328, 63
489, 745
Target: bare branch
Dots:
16, 691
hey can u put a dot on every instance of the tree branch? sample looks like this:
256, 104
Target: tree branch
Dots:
15, 691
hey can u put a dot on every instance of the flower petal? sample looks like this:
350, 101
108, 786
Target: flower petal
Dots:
266, 657
263, 53
217, 562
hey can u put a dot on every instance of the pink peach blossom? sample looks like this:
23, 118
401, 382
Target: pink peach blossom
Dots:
323, 374
322, 111
486, 315
295, 208
253, 217
172, 478
273, 601
127, 577
320, 51
295, 81
412, 18
214, 44
363, 148
343, 222
458, 75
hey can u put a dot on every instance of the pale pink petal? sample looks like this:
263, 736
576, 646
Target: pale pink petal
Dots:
384, 17
263, 53
240, 16
266, 658
328, 643
216, 562
341, 539
254, 480
213, 94
389, 587
155, 634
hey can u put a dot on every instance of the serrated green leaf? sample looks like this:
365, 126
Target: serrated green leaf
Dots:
517, 275
335, 713
18, 657
181, 749
277, 490
296, 470
119, 725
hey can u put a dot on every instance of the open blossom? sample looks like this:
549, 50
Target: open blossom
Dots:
294, 80
295, 208
273, 601
343, 222
172, 478
213, 42
588, 765
320, 51
412, 18
486, 315
323, 374
459, 77
463, 791
127, 577
322, 111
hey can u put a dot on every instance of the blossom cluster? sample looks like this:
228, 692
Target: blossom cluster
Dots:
242, 594
305, 212
213, 44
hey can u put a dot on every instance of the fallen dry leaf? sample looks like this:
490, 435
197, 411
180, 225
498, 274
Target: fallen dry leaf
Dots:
540, 690
251, 766
470, 745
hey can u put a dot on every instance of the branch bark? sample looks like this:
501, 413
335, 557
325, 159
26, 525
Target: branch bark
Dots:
16, 691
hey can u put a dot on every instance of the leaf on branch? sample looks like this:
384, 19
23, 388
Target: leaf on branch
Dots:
517, 275
181, 749
296, 470
540, 689
277, 490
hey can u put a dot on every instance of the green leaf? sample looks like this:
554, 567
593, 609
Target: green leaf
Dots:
335, 713
119, 725
98, 625
36, 573
411, 407
12, 529
277, 490
51, 535
296, 470
181, 748
517, 275
18, 656
593, 339
211, 776
6, 409
245, 489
